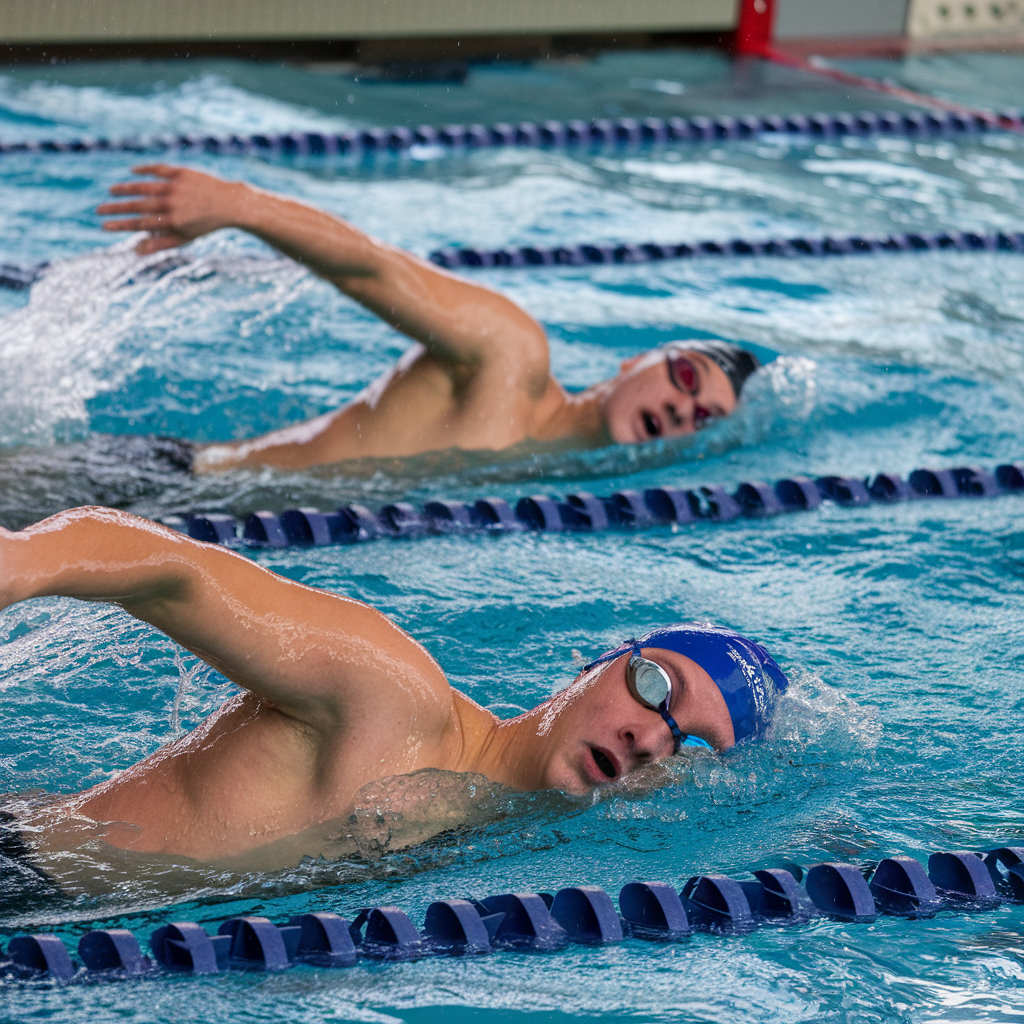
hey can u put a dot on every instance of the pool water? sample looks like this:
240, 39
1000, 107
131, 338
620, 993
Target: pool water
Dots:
901, 626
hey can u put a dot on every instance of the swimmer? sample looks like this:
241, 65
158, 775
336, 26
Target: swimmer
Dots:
336, 697
478, 377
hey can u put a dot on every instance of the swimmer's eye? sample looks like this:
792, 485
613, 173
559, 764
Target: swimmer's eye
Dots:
682, 373
649, 683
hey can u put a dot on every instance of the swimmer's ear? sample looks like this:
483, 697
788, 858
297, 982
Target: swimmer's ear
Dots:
627, 364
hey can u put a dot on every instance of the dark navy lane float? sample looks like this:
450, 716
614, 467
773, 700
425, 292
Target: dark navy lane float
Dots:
461, 258
600, 133
585, 512
960, 881
16, 278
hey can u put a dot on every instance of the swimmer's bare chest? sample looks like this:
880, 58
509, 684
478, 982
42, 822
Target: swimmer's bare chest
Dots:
419, 406
246, 778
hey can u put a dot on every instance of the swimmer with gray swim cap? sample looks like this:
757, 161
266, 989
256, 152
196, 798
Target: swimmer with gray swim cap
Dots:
479, 378
174, 455
737, 363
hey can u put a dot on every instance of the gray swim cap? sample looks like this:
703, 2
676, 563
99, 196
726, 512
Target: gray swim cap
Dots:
737, 362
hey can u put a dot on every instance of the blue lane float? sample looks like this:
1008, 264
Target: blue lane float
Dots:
598, 133
960, 881
18, 278
455, 258
587, 513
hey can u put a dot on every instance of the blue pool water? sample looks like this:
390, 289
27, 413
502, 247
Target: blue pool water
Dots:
901, 626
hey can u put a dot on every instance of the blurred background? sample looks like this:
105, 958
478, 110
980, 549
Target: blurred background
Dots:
399, 36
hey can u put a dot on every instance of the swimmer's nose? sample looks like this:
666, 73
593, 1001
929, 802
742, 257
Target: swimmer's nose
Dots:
648, 742
676, 419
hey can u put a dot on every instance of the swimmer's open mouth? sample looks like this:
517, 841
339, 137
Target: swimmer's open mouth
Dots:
652, 424
604, 762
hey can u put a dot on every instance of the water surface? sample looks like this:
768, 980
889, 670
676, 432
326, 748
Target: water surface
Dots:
901, 627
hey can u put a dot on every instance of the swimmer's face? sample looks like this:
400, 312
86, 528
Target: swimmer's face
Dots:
657, 396
601, 733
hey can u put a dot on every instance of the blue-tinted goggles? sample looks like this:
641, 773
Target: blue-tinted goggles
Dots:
650, 685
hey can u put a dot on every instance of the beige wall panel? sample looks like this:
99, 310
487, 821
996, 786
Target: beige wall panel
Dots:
69, 21
930, 18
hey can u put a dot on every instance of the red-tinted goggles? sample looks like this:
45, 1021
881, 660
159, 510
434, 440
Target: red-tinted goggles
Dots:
683, 375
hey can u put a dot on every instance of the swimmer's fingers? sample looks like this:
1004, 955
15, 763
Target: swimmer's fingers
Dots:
160, 236
132, 206
140, 188
190, 202
159, 171
153, 223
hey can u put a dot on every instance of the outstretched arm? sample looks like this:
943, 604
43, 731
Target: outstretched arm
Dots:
456, 320
322, 659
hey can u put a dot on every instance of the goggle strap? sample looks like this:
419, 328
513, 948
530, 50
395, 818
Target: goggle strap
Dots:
677, 734
629, 646
680, 738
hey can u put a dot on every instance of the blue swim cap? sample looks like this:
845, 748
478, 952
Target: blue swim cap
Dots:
743, 670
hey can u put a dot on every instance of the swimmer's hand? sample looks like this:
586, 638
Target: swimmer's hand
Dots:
180, 206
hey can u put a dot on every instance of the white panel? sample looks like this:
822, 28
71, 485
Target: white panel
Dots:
830, 19
26, 21
965, 17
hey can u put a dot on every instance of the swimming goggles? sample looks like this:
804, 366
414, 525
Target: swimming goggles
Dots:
683, 375
649, 684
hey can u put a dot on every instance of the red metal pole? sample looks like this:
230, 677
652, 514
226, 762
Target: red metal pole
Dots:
754, 28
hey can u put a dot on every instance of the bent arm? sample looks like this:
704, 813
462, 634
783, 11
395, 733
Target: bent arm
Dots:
457, 321
321, 658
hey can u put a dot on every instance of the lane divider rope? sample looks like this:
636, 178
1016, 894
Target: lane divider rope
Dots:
17, 278
599, 132
583, 511
648, 252
959, 881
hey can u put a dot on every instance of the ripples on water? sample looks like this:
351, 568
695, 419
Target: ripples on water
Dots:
901, 626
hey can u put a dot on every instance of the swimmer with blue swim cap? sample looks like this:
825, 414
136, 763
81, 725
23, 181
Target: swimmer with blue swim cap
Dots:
746, 674
333, 697
711, 688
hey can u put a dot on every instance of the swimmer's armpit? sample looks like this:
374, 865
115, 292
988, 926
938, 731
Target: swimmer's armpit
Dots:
322, 659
